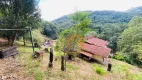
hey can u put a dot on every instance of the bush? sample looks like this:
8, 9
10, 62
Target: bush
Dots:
118, 56
100, 70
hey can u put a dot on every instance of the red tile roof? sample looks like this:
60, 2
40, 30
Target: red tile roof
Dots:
96, 50
96, 46
97, 41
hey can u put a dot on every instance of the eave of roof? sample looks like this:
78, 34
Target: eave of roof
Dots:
96, 50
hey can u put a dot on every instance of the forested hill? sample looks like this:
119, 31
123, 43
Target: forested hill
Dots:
135, 11
101, 17
108, 25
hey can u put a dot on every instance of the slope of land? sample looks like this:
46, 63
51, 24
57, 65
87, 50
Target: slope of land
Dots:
24, 67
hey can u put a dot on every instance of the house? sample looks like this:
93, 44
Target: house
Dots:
96, 48
49, 43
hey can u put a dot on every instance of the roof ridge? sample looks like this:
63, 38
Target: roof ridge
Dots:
94, 44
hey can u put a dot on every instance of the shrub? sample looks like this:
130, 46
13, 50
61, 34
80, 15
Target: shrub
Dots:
119, 56
100, 70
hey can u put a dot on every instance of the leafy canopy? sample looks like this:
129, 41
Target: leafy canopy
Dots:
130, 41
70, 39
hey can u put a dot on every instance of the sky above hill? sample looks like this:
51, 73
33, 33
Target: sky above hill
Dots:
53, 9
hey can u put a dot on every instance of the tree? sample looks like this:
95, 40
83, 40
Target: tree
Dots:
130, 41
37, 36
17, 14
50, 30
111, 32
70, 39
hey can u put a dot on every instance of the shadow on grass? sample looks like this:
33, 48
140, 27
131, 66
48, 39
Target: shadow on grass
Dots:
86, 58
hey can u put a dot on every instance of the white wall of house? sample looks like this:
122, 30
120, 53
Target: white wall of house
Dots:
100, 59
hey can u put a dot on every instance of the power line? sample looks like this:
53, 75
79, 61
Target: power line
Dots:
12, 29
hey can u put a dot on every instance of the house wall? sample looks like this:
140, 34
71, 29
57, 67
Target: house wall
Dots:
100, 59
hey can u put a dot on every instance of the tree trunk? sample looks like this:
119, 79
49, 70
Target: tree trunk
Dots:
14, 38
62, 63
12, 41
24, 40
9, 40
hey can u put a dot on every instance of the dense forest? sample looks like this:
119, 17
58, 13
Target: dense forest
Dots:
107, 25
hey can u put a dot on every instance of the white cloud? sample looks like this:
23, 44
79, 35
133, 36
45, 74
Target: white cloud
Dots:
52, 9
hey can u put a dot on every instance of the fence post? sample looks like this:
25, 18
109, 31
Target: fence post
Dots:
51, 58
109, 67
62, 63
32, 42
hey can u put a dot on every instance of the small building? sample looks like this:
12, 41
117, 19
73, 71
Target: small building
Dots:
96, 48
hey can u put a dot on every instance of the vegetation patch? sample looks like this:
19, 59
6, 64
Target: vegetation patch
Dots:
71, 67
100, 70
38, 75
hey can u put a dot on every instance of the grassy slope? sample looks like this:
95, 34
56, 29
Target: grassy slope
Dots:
37, 69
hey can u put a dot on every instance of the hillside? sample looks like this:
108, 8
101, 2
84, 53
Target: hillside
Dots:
100, 18
135, 11
23, 67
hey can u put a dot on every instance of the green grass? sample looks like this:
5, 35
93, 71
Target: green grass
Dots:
71, 67
75, 70
32, 65
38, 75
47, 73
133, 76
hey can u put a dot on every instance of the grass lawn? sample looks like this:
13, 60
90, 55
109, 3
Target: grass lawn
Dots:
37, 69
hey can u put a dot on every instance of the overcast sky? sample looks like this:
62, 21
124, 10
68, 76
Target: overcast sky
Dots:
53, 9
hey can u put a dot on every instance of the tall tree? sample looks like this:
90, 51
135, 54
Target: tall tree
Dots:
111, 32
130, 41
50, 30
70, 39
17, 14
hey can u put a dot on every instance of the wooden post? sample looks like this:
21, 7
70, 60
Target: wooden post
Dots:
65, 61
62, 63
109, 67
51, 58
32, 42
24, 40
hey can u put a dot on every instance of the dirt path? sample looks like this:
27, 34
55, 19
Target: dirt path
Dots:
44, 65
10, 69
